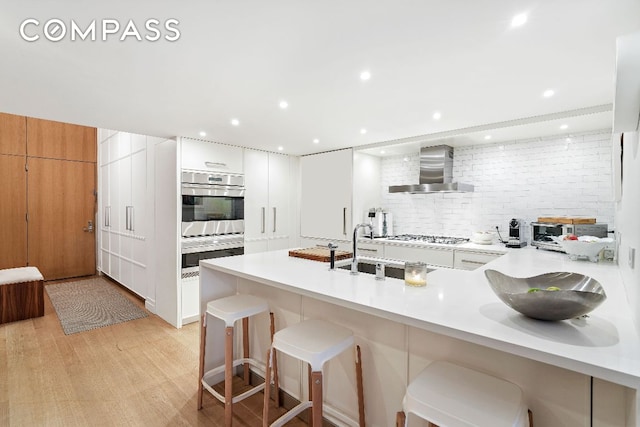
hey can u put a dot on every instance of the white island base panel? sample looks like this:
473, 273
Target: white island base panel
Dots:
456, 318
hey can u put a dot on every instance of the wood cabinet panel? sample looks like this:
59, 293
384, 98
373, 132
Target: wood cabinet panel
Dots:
58, 213
13, 134
56, 140
13, 210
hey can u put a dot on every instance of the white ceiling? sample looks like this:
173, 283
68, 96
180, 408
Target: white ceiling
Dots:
238, 59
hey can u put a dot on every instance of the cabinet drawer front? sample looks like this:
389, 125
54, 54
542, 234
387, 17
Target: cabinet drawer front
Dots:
368, 249
472, 260
209, 156
440, 257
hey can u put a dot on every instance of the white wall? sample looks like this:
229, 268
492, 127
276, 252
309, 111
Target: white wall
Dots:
519, 179
627, 214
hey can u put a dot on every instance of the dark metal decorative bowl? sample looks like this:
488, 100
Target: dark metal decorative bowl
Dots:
550, 296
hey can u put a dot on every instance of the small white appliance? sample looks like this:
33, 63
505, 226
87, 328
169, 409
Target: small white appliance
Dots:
381, 222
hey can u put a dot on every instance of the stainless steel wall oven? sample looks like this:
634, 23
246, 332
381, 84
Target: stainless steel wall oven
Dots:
212, 218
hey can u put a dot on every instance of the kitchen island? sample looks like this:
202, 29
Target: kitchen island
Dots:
455, 317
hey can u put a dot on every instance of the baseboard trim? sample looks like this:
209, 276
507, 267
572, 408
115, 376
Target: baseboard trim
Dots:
190, 319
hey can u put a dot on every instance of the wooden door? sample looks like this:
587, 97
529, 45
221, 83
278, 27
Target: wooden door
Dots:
13, 210
59, 212
56, 140
13, 134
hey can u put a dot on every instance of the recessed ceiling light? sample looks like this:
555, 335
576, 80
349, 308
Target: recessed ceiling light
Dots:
406, 159
315, 141
280, 148
363, 131
203, 133
437, 115
548, 93
564, 127
365, 75
568, 140
519, 20
283, 104
235, 122
382, 151
487, 137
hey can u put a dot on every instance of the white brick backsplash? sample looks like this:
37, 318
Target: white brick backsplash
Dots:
519, 179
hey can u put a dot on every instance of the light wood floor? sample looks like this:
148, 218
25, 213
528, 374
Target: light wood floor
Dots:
139, 373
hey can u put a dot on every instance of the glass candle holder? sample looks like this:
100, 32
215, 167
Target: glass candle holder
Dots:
415, 274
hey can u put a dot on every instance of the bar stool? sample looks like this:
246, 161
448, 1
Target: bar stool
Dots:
230, 309
449, 395
314, 342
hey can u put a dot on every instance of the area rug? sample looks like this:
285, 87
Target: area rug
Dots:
90, 304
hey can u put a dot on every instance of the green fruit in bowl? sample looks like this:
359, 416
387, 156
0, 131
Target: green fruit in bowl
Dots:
553, 288
532, 290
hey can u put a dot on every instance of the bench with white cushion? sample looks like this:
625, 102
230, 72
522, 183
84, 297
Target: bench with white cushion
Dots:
21, 294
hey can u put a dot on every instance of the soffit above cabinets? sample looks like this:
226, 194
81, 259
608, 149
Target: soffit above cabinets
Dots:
559, 125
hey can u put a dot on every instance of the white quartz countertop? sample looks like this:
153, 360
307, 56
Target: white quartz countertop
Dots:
461, 304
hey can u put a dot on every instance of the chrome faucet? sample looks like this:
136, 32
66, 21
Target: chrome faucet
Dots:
354, 262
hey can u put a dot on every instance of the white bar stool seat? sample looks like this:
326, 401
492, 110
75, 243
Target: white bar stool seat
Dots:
230, 310
449, 395
314, 342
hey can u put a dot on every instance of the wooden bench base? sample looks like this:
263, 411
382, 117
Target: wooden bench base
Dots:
20, 301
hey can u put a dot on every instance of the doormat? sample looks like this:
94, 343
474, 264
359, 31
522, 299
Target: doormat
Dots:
89, 304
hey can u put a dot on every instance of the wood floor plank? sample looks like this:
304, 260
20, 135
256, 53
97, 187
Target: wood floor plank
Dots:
138, 373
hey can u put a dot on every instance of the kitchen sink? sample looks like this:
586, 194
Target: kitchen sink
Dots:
363, 267
395, 271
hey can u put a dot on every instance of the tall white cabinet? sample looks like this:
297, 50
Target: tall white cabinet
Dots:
325, 200
267, 209
125, 219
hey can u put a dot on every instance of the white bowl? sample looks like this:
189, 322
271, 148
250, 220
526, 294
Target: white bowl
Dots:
585, 247
482, 237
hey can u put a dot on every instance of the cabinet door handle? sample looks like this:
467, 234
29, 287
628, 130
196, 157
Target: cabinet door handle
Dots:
107, 215
215, 164
263, 219
126, 218
274, 220
131, 218
344, 221
469, 261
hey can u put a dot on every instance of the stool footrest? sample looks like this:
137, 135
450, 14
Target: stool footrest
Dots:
220, 369
291, 414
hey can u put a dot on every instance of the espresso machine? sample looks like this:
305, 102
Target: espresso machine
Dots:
517, 234
381, 222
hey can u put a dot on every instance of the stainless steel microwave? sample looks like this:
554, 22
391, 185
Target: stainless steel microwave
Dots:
542, 233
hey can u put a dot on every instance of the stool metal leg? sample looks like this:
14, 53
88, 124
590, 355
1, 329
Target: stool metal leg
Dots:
245, 348
316, 398
203, 340
360, 387
228, 377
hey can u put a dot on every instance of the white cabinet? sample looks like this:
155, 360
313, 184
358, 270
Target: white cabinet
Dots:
267, 218
123, 208
325, 210
212, 157
441, 257
470, 260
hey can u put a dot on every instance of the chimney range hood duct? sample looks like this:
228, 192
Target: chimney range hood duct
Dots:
436, 173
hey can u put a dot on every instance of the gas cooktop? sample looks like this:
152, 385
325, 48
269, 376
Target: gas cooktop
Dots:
444, 240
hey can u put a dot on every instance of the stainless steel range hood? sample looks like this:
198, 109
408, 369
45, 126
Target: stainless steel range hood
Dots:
436, 173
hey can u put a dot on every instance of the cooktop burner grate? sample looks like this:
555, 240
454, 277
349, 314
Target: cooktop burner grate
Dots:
445, 240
